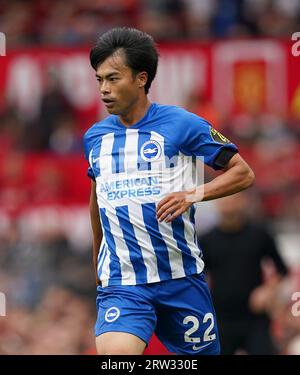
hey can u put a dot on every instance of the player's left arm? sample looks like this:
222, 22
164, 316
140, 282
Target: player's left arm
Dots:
237, 176
96, 227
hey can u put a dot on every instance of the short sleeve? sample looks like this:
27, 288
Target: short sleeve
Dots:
86, 146
198, 138
90, 173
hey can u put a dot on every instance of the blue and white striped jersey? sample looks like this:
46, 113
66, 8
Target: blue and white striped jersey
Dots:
134, 168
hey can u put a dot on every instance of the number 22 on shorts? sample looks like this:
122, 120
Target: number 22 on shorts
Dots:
207, 337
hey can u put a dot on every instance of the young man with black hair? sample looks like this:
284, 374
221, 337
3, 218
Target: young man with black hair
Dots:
148, 265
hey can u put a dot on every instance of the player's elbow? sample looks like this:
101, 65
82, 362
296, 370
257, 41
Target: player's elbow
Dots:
248, 177
243, 172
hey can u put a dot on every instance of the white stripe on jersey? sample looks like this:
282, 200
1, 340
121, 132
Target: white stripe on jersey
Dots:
150, 260
189, 237
101, 249
105, 269
90, 158
161, 163
131, 150
102, 258
184, 172
122, 251
175, 254
188, 172
105, 157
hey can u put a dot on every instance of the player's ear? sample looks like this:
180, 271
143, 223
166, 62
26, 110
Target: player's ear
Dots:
142, 78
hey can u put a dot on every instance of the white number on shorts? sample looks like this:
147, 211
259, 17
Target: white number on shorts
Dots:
195, 326
207, 336
193, 329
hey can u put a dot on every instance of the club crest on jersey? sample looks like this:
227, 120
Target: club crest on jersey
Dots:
150, 151
218, 137
112, 314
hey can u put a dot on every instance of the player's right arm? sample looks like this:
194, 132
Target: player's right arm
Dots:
96, 227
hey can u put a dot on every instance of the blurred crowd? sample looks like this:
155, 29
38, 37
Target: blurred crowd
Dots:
62, 323
49, 288
28, 22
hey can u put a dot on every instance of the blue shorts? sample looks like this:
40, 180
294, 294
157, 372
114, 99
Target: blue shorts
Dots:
179, 311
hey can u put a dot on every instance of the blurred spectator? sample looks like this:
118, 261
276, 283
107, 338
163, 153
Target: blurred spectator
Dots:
199, 15
163, 19
13, 184
234, 253
12, 130
271, 17
16, 19
64, 138
227, 18
54, 121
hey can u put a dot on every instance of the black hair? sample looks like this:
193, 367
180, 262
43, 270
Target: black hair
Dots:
139, 48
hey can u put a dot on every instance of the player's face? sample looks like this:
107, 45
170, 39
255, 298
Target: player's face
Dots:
119, 87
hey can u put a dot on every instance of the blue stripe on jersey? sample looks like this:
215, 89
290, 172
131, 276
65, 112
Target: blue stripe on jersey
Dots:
101, 252
171, 162
118, 153
189, 262
142, 164
192, 218
157, 241
115, 268
171, 154
135, 252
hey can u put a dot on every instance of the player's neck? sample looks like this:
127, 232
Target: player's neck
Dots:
137, 112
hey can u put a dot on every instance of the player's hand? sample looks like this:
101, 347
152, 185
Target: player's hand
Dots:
174, 205
261, 298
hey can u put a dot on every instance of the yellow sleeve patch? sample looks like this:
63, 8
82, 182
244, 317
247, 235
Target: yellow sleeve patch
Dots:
218, 137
